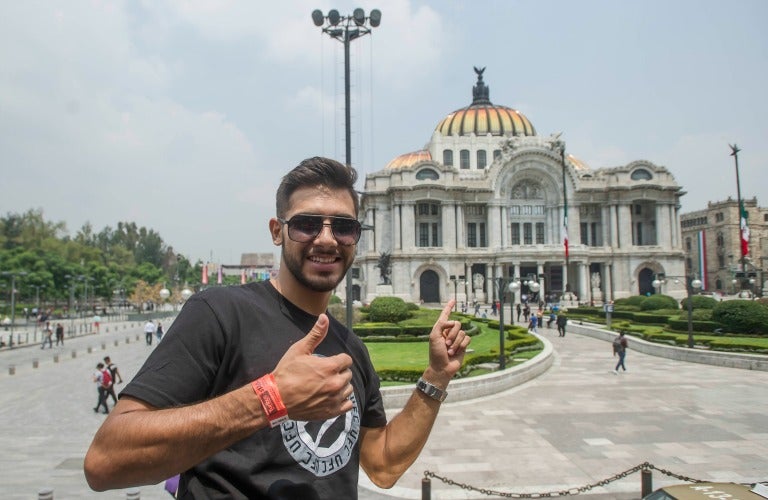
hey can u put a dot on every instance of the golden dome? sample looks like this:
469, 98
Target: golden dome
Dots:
409, 159
483, 117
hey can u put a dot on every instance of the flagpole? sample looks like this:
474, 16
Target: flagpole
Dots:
735, 153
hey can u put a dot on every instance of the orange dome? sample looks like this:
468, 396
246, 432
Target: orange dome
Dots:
409, 159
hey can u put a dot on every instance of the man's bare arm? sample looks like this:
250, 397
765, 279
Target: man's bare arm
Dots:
387, 452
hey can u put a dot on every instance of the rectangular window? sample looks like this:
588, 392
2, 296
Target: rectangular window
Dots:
584, 231
435, 235
464, 158
481, 159
540, 233
527, 233
496, 154
483, 242
355, 272
471, 234
423, 234
515, 232
594, 239
639, 237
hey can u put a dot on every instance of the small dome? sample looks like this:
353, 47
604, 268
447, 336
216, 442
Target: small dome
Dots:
409, 159
578, 164
483, 117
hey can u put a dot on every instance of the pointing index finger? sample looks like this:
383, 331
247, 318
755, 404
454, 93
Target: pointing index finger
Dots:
447, 310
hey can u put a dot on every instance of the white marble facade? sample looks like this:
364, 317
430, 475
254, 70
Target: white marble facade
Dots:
485, 200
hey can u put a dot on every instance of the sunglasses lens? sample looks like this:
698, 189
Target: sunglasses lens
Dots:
346, 231
303, 228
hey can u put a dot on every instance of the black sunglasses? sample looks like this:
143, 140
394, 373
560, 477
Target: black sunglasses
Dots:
304, 228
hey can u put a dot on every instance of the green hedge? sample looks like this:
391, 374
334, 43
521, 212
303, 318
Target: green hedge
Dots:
655, 302
681, 324
390, 309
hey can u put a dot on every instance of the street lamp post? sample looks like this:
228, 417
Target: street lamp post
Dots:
345, 29
13, 299
691, 286
456, 280
164, 294
513, 286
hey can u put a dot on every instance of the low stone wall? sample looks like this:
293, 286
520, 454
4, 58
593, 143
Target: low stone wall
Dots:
717, 358
474, 387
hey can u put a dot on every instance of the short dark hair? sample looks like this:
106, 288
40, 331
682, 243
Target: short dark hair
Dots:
316, 171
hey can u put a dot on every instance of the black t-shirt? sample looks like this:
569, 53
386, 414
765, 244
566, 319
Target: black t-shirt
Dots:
226, 337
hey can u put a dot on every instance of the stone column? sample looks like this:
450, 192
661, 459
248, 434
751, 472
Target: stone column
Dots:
409, 227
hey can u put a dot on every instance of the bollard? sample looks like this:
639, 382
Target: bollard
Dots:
45, 494
127, 340
35, 363
103, 346
133, 494
646, 482
117, 342
137, 338
12, 370
55, 358
90, 349
426, 489
107, 330
74, 354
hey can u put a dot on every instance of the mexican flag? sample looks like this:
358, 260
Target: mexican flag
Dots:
744, 231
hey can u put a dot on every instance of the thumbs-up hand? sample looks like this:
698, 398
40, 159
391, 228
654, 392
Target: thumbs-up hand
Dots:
314, 387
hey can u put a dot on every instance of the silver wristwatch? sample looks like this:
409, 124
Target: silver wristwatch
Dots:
431, 391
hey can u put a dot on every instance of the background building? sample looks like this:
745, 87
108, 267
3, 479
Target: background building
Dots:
488, 197
712, 242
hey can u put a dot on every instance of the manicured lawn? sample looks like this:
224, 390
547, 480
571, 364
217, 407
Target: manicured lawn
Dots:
415, 355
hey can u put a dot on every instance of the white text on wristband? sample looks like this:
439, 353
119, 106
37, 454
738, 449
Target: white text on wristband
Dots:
274, 409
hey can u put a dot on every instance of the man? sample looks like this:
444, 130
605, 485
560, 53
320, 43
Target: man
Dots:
116, 378
149, 330
620, 348
562, 321
59, 334
47, 334
255, 392
103, 381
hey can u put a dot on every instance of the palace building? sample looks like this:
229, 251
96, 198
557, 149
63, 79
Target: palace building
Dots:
489, 200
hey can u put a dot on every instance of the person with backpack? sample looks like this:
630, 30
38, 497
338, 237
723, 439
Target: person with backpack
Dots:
620, 348
115, 376
103, 380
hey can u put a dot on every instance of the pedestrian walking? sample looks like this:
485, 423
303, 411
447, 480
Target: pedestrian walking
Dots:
103, 381
519, 312
561, 321
116, 378
59, 334
620, 348
159, 331
533, 323
149, 330
47, 336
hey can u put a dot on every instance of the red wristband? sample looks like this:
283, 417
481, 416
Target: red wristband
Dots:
266, 389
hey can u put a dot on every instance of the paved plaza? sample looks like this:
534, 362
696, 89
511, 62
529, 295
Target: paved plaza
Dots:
575, 425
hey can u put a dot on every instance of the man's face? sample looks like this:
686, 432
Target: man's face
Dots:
319, 264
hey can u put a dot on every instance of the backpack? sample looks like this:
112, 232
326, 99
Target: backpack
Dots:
106, 379
617, 347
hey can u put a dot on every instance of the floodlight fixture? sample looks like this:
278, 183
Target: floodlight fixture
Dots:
317, 17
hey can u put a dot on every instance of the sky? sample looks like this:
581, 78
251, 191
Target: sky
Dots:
182, 116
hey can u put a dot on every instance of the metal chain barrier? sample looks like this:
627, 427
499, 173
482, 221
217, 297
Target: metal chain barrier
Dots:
570, 491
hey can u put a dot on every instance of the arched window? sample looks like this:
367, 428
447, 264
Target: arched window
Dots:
464, 158
641, 174
427, 174
448, 157
481, 159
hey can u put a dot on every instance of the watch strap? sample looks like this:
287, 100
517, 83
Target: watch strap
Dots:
431, 391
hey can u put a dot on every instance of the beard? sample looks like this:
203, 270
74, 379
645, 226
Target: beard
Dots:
326, 282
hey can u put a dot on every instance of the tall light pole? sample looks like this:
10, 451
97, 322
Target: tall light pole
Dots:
13, 275
502, 284
345, 29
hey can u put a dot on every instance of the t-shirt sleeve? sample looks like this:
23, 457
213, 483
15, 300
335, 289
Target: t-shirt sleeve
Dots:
182, 368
